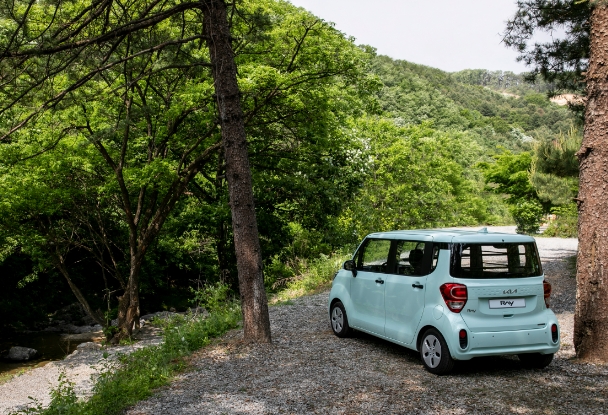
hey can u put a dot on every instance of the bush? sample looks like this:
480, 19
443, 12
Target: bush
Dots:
565, 224
528, 215
213, 297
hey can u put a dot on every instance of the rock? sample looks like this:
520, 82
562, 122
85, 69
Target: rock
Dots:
98, 335
21, 354
160, 314
198, 311
88, 346
52, 329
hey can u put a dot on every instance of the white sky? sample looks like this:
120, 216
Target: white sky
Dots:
447, 34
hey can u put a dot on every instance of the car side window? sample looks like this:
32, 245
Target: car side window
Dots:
374, 256
411, 258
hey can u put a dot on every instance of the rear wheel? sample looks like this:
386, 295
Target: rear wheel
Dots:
338, 320
535, 360
435, 354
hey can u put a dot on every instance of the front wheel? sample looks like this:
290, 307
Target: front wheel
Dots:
535, 360
435, 354
338, 320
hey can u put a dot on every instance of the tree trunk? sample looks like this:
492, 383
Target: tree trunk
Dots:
78, 294
256, 322
128, 304
591, 316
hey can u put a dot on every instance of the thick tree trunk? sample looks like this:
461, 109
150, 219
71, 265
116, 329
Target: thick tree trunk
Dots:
256, 322
591, 317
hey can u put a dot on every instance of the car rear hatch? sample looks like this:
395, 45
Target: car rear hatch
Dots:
504, 283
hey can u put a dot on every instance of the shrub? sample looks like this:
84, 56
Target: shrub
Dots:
565, 224
528, 215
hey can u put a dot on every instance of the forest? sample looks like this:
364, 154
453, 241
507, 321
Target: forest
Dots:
342, 142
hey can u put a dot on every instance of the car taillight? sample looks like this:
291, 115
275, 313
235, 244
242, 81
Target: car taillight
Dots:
547, 292
454, 295
554, 333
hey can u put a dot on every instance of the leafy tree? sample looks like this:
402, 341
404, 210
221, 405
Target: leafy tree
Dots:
510, 175
554, 173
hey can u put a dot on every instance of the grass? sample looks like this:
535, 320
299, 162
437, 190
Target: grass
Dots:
314, 276
139, 373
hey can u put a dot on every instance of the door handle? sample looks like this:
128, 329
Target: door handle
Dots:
379, 281
417, 286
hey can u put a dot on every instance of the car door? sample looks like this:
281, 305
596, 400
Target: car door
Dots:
367, 287
405, 289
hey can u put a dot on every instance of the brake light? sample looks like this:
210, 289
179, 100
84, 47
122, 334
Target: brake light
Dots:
454, 295
547, 292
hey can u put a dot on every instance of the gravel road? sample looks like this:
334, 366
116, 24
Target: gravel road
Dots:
308, 370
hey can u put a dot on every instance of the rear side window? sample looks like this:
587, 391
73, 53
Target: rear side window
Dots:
374, 256
504, 260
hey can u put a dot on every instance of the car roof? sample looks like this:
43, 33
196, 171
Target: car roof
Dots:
452, 235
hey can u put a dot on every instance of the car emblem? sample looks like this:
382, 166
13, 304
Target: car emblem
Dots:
510, 291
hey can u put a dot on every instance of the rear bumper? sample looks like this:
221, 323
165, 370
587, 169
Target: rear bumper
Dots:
507, 342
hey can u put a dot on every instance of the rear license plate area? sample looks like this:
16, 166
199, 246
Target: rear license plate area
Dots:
508, 303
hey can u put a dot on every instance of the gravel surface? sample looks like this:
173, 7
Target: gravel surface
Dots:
308, 370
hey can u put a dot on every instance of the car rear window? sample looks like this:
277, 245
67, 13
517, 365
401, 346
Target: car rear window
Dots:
501, 260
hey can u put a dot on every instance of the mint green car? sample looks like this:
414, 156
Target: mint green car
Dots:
449, 294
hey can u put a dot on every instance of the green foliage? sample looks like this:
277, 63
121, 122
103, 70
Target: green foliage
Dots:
68, 203
565, 224
213, 297
555, 168
528, 215
416, 178
311, 275
509, 174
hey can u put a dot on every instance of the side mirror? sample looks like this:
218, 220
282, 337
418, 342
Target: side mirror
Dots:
350, 266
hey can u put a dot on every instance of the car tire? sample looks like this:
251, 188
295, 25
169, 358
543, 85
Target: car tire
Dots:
535, 360
339, 320
435, 354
